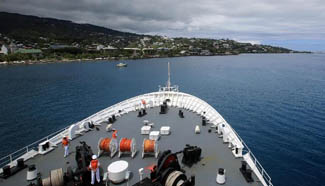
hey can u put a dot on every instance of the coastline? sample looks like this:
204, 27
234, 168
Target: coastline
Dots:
111, 59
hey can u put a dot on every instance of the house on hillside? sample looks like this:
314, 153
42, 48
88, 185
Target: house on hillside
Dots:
4, 50
32, 52
205, 53
109, 48
13, 47
149, 51
59, 46
100, 47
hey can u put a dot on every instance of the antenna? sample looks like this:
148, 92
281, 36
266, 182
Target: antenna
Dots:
168, 86
168, 82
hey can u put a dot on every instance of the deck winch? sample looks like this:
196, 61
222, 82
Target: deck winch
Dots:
83, 157
56, 178
168, 171
78, 176
150, 147
127, 146
191, 155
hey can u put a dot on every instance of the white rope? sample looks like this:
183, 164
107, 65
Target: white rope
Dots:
172, 177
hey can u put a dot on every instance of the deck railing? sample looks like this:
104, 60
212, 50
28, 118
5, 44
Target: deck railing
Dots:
258, 165
33, 146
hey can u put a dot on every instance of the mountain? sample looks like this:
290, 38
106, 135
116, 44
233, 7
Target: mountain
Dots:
61, 39
31, 28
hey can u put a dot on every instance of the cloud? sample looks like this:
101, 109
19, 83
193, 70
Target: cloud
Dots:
247, 20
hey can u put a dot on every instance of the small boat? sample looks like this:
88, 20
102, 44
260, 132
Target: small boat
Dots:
122, 65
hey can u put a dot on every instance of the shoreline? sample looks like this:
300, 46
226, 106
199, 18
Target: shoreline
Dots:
112, 59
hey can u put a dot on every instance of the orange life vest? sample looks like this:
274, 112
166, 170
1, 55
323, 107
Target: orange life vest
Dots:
65, 142
143, 102
114, 134
94, 164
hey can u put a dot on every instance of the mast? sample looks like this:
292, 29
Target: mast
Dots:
168, 81
168, 86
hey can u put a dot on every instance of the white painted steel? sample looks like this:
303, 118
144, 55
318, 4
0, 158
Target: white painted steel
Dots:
145, 130
165, 130
117, 171
154, 135
197, 129
221, 178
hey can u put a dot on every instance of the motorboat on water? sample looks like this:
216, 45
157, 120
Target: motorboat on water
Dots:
121, 65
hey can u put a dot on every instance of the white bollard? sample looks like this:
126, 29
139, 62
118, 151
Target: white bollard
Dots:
141, 173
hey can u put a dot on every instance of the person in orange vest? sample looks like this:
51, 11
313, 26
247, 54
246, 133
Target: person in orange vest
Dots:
94, 168
143, 103
65, 144
114, 136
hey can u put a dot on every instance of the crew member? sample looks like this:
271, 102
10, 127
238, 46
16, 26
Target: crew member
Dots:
114, 136
144, 103
94, 168
65, 144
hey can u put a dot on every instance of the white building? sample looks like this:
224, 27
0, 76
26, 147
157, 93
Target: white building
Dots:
183, 52
12, 47
4, 50
99, 47
109, 48
226, 45
146, 39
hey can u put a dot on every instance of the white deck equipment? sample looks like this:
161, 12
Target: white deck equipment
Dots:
154, 135
221, 176
117, 171
197, 129
165, 130
45, 147
145, 130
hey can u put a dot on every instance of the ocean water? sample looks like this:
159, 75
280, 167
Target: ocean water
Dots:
276, 102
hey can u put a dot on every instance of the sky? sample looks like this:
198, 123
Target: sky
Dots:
296, 24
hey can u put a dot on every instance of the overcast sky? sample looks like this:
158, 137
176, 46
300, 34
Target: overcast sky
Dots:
297, 24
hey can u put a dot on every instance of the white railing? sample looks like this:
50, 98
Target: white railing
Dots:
129, 105
33, 146
258, 165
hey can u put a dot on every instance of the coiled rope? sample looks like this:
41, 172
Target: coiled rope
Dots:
105, 144
125, 145
149, 145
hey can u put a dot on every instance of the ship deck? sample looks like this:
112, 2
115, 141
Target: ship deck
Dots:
215, 153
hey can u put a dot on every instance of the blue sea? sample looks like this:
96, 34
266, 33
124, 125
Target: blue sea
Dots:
276, 102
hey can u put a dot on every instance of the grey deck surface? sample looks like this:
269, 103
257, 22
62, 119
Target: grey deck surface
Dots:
215, 153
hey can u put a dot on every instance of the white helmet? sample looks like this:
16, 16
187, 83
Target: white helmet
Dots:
94, 157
